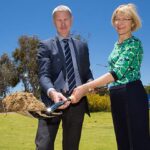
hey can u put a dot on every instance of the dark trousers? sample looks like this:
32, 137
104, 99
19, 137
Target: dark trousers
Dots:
72, 120
129, 104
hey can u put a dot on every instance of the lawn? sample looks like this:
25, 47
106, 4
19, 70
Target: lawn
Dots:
17, 132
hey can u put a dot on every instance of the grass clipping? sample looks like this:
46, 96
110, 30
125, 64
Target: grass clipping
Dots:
24, 103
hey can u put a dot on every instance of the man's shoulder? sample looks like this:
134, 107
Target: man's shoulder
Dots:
48, 41
79, 41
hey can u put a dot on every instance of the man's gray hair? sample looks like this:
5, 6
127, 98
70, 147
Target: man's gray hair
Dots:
61, 8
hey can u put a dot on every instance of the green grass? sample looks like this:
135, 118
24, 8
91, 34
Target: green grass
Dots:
18, 132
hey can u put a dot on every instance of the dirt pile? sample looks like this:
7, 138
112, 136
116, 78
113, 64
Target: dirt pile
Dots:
22, 101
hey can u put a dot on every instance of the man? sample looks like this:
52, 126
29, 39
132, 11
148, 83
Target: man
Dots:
56, 57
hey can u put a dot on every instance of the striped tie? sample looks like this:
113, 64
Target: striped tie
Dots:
69, 67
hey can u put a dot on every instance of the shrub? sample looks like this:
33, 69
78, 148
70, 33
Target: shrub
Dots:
98, 103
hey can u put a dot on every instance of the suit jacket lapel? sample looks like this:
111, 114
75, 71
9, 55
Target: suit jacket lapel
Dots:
58, 46
76, 55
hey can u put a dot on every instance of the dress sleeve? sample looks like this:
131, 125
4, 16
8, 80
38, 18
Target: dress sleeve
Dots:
126, 59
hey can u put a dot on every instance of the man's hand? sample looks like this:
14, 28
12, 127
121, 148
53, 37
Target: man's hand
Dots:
57, 96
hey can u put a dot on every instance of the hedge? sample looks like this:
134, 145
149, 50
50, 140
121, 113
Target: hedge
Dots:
98, 103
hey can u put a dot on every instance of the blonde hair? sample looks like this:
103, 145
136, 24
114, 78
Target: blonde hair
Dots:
131, 11
61, 8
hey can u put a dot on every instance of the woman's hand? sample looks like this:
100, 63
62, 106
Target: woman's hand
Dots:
78, 93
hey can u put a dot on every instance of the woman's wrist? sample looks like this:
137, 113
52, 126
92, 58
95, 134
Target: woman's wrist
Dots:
88, 88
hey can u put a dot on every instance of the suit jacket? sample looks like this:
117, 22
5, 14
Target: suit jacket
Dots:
51, 65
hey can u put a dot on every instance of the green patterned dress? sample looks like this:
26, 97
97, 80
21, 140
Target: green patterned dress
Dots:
125, 61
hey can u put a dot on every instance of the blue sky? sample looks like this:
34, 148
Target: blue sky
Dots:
92, 19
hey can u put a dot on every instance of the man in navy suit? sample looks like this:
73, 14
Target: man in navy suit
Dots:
54, 83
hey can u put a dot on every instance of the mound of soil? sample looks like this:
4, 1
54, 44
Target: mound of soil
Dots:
22, 101
26, 104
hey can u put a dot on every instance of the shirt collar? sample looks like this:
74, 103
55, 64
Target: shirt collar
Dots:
60, 38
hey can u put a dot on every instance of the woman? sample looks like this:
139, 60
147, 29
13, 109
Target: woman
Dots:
129, 102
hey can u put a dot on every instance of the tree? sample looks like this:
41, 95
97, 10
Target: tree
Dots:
25, 61
8, 75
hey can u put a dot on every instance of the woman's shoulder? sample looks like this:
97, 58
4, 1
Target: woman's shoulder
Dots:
134, 42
